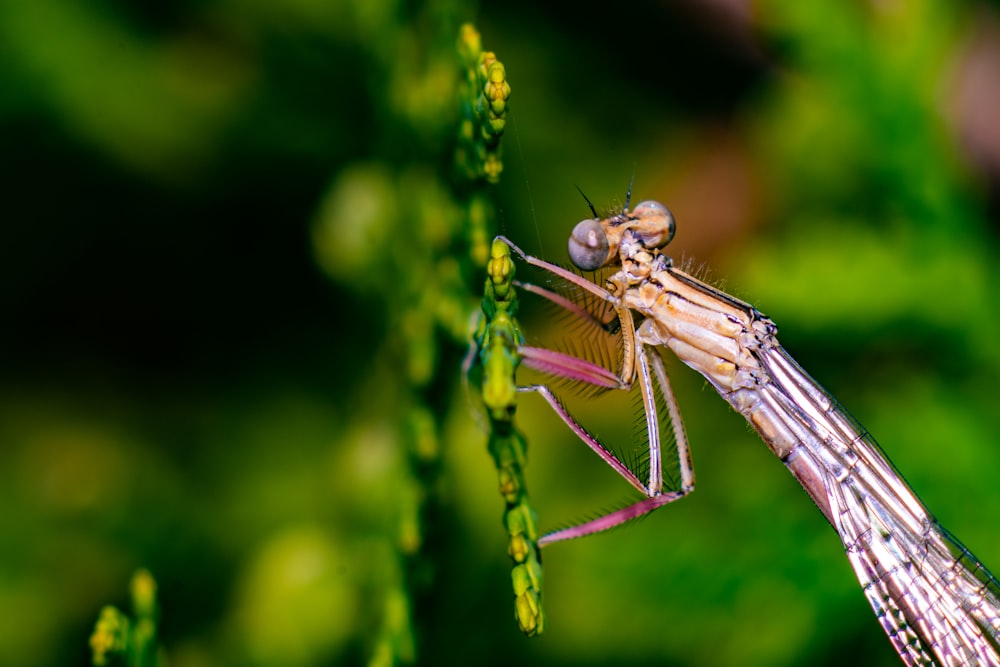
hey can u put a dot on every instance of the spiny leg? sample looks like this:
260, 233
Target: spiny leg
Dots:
627, 372
655, 497
612, 519
570, 367
567, 366
565, 274
609, 325
563, 365
652, 501
606, 454
652, 422
559, 364
677, 423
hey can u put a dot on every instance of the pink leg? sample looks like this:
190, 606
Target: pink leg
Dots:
655, 498
673, 411
568, 366
568, 276
627, 373
567, 304
638, 364
616, 518
606, 454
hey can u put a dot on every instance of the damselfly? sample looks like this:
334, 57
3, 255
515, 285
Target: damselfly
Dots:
936, 601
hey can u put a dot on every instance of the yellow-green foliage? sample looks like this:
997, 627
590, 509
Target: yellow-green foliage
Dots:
129, 641
492, 372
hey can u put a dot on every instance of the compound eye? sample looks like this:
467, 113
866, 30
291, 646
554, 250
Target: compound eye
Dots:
588, 245
658, 223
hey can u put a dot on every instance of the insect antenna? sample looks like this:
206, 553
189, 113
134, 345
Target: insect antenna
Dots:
592, 209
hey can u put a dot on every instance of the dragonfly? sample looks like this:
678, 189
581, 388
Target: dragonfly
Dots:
937, 603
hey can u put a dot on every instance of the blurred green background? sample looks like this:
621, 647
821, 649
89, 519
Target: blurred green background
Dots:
230, 353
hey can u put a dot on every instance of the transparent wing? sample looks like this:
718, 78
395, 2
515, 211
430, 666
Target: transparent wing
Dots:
936, 602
